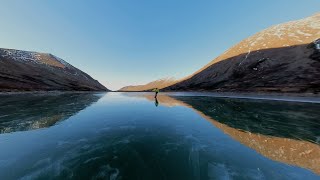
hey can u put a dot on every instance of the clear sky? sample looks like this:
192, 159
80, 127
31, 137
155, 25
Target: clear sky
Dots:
129, 42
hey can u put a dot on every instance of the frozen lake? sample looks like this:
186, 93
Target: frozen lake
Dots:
176, 136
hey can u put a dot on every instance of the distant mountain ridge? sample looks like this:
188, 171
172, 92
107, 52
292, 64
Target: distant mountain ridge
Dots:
161, 83
33, 71
282, 58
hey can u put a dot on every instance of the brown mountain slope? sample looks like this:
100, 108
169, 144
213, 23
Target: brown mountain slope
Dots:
32, 71
162, 83
282, 58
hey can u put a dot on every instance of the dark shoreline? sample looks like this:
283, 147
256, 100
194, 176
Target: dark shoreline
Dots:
236, 93
48, 92
293, 97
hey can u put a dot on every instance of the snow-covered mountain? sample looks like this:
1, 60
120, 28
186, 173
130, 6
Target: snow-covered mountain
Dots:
161, 83
27, 71
282, 58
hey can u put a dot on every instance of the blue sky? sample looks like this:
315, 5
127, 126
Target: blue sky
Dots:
125, 42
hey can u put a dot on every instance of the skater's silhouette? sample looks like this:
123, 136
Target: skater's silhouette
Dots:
156, 90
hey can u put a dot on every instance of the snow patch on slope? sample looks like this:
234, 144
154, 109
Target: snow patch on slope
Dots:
50, 61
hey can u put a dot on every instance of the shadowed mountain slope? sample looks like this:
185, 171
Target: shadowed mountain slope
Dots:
32, 71
283, 58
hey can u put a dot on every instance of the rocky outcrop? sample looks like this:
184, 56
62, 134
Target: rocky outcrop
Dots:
316, 50
32, 71
275, 60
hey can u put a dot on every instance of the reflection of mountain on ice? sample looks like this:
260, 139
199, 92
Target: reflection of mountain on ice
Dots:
26, 111
283, 136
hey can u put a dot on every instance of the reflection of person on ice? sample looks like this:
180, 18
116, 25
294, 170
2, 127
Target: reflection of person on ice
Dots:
156, 102
156, 90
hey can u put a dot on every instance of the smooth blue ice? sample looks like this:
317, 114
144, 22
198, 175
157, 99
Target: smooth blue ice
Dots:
125, 136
